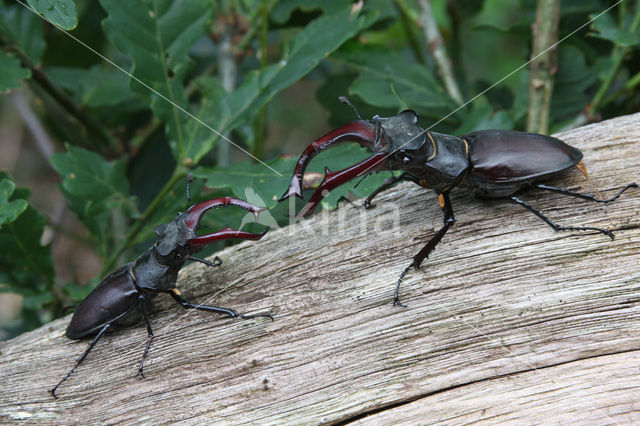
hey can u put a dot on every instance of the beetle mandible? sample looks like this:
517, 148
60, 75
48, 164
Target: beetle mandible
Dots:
491, 163
125, 295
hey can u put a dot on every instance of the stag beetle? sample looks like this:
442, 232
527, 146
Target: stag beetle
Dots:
125, 295
491, 163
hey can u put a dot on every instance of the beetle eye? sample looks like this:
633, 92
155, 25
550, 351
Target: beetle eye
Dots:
407, 159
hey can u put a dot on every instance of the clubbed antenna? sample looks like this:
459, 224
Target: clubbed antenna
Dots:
344, 100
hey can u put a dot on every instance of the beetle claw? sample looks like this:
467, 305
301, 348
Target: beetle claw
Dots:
295, 189
194, 215
334, 179
361, 131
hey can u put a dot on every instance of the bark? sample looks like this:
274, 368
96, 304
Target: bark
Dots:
544, 64
507, 321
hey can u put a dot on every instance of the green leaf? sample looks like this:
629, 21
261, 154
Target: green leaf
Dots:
157, 35
283, 9
95, 216
606, 28
24, 28
9, 210
88, 175
93, 188
95, 87
266, 186
11, 72
389, 80
308, 48
25, 265
571, 89
481, 117
59, 12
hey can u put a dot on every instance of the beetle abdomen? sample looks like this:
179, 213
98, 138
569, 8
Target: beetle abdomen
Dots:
109, 302
499, 155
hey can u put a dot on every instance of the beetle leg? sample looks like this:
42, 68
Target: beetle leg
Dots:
82, 358
589, 197
555, 226
216, 261
224, 311
388, 183
150, 334
445, 205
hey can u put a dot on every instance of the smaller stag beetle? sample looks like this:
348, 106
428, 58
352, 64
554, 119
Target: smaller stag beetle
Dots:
125, 295
491, 163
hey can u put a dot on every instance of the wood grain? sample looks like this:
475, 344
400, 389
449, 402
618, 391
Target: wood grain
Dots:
507, 321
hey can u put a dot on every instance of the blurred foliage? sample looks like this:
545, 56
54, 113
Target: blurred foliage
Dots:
141, 103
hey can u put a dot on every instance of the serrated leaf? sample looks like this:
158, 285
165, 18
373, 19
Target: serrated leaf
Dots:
95, 217
283, 9
572, 83
93, 188
157, 35
308, 48
25, 265
481, 117
94, 87
60, 12
268, 186
605, 27
388, 80
24, 28
11, 72
23, 259
88, 175
263, 181
9, 210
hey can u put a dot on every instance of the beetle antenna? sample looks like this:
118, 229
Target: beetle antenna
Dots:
344, 100
360, 181
189, 180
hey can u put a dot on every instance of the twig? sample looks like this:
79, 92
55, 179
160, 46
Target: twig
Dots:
543, 66
47, 149
617, 56
99, 136
405, 16
178, 174
227, 70
43, 141
258, 145
438, 50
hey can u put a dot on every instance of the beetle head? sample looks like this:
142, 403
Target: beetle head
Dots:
399, 132
177, 240
398, 143
171, 248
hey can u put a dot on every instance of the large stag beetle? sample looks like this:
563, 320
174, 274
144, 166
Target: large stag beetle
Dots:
123, 297
491, 163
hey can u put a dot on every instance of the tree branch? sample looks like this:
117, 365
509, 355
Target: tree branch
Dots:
96, 135
507, 321
438, 50
543, 65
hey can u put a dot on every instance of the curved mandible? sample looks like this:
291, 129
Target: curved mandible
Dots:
332, 180
361, 131
225, 233
194, 213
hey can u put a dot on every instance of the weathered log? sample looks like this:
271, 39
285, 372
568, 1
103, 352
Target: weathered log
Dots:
508, 320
